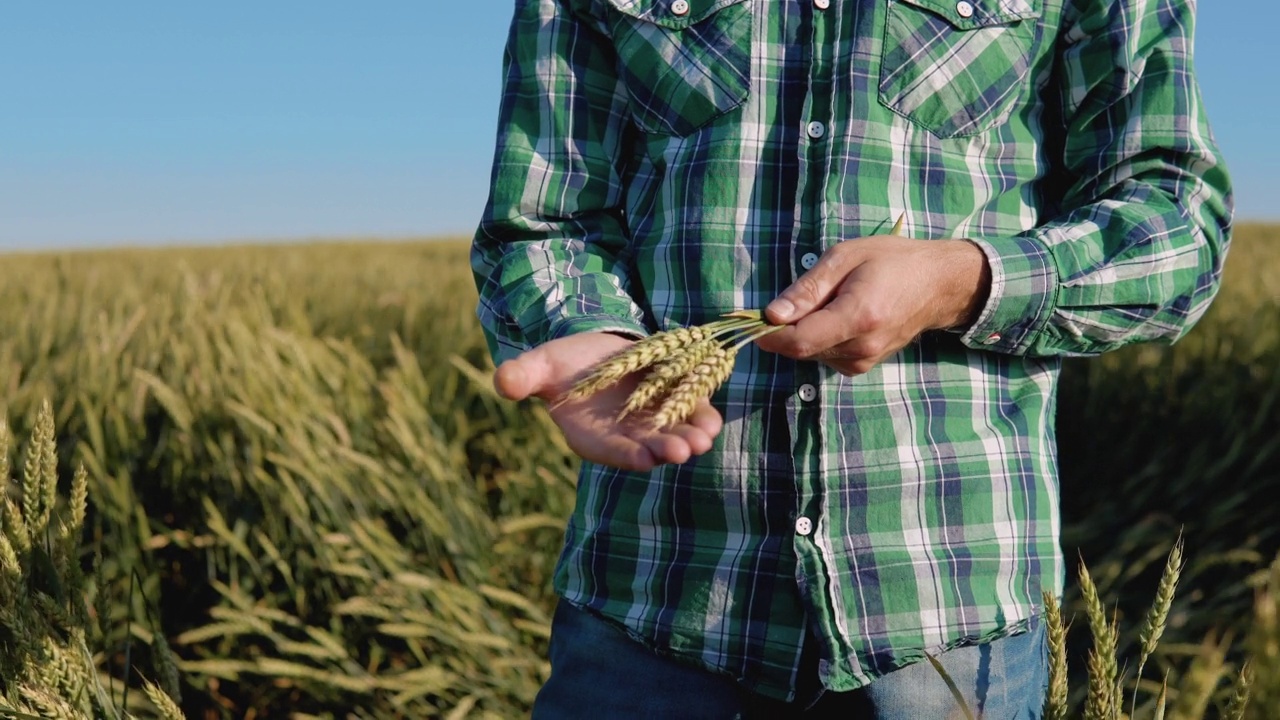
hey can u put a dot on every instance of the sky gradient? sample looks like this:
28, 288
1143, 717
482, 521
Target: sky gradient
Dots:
149, 123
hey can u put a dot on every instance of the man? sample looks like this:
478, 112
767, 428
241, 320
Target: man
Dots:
878, 480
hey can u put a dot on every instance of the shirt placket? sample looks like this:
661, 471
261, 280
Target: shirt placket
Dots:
816, 135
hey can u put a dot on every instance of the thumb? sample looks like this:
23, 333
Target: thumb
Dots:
813, 289
522, 376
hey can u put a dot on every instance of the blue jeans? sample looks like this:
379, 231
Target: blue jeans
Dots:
598, 672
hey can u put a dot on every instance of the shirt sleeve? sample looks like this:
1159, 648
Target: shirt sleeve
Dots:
550, 255
1137, 249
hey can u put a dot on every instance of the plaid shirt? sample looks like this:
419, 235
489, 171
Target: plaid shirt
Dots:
660, 162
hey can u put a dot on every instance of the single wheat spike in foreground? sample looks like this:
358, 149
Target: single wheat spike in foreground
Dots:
1055, 704
1101, 702
1158, 615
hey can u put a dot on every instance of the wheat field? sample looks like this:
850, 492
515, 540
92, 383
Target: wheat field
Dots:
304, 498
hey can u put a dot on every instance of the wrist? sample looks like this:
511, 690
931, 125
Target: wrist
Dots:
965, 284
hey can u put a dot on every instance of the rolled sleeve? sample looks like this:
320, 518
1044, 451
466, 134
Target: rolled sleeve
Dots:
550, 257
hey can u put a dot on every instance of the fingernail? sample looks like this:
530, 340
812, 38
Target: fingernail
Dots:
782, 309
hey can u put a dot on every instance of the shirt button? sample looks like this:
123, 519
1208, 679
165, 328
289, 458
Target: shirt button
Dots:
804, 526
808, 393
817, 129
992, 339
808, 260
681, 7
965, 9
822, 4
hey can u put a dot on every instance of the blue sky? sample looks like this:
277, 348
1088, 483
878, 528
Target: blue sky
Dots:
152, 122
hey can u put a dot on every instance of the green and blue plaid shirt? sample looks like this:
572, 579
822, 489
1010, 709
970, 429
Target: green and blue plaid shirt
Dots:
660, 162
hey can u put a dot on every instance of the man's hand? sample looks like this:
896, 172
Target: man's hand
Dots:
589, 426
868, 298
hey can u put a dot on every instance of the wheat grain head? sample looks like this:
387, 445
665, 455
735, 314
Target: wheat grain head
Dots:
700, 383
666, 375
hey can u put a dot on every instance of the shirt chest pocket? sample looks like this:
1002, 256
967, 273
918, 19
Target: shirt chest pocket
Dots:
957, 68
684, 62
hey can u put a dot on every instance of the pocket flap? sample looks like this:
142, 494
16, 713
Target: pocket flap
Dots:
981, 13
662, 12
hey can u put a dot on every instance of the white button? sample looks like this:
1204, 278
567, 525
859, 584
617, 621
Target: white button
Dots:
808, 393
681, 7
817, 129
808, 260
822, 4
965, 9
804, 526
992, 339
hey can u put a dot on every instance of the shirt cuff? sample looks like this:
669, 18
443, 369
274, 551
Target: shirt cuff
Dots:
597, 323
1024, 289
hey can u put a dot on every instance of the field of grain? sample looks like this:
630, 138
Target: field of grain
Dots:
299, 476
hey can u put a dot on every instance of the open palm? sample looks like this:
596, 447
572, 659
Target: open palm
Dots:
590, 425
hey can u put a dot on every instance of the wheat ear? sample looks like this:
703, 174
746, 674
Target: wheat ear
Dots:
37, 499
704, 379
666, 375
164, 704
701, 382
645, 353
1055, 703
1101, 701
1239, 694
1158, 615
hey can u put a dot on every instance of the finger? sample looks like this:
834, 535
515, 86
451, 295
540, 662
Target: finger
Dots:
696, 438
635, 457
818, 332
510, 380
707, 419
849, 368
667, 447
525, 375
815, 288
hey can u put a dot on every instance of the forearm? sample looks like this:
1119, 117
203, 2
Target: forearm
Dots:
549, 258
